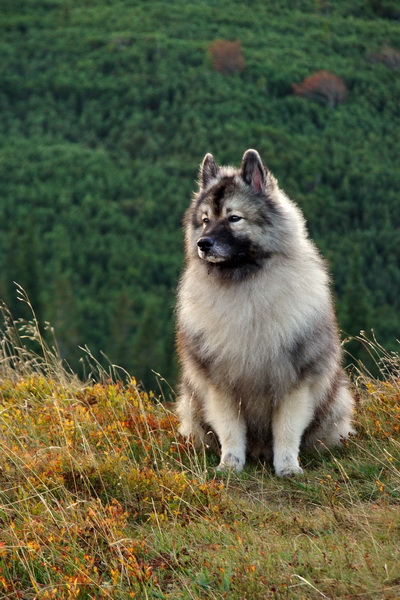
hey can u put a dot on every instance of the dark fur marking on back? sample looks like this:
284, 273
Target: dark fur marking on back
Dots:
308, 348
192, 347
302, 362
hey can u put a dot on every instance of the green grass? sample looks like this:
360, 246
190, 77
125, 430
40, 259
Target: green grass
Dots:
101, 498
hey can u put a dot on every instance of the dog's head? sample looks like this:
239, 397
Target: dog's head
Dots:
236, 219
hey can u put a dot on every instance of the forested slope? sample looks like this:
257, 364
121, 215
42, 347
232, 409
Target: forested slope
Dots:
107, 107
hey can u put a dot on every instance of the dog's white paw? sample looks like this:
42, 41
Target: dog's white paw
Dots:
230, 461
185, 429
288, 470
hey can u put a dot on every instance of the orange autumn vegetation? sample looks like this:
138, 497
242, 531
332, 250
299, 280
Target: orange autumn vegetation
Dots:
78, 469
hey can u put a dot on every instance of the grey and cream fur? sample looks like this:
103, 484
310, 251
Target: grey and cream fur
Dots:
256, 331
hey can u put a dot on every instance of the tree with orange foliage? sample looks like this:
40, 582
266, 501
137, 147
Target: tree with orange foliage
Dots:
323, 86
226, 56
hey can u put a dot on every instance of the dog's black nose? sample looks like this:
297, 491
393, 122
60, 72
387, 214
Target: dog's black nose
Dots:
205, 243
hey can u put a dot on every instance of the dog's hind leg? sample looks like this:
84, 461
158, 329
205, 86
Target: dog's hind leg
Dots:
224, 416
290, 418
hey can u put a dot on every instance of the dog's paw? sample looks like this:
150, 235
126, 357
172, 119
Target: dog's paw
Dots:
185, 429
230, 461
289, 470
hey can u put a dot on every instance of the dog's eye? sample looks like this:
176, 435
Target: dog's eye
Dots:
206, 220
234, 218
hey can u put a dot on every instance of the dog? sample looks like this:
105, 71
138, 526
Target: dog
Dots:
257, 336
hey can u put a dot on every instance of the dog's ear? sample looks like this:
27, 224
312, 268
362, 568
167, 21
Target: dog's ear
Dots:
253, 171
208, 170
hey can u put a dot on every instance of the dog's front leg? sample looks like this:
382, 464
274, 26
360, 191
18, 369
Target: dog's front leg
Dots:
224, 416
290, 419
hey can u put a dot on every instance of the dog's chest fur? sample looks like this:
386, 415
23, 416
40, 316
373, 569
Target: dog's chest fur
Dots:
241, 339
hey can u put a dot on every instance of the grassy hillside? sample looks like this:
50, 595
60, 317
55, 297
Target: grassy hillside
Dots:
107, 109
101, 498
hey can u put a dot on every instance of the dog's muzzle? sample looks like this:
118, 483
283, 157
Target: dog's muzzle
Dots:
210, 250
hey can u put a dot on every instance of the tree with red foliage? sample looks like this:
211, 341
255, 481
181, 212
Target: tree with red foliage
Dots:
323, 86
226, 56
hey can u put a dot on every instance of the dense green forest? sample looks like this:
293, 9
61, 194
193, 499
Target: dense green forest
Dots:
107, 108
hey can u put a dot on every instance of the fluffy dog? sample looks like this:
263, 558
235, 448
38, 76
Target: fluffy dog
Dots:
256, 331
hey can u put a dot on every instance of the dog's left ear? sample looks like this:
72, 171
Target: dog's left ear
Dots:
253, 171
208, 170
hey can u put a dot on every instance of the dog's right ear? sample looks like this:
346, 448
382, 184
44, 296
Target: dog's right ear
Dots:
208, 171
253, 171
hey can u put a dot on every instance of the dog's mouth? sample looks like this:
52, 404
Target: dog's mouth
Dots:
223, 261
213, 257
